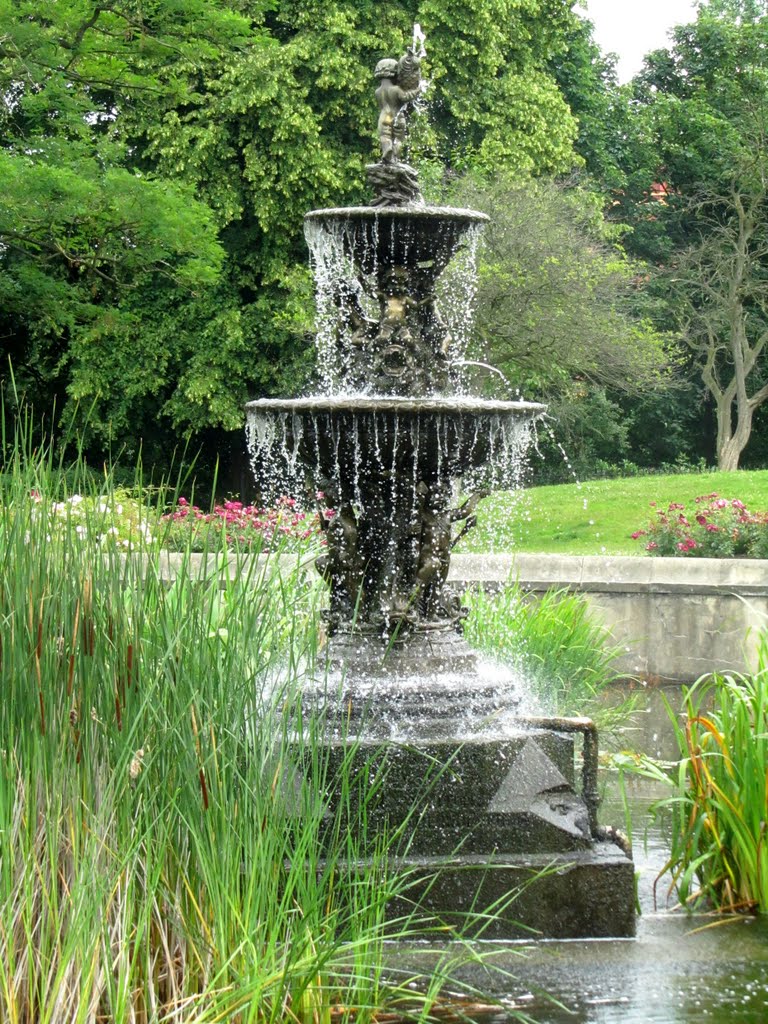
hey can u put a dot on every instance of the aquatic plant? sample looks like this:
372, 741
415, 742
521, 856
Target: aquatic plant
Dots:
566, 655
719, 811
715, 528
166, 846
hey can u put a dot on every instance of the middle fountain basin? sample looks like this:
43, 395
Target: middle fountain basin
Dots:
343, 438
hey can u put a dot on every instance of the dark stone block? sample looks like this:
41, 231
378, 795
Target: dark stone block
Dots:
590, 894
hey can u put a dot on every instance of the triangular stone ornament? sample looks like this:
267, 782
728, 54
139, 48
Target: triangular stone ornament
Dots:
532, 773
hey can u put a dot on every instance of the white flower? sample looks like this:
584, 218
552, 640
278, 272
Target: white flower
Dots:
136, 763
75, 499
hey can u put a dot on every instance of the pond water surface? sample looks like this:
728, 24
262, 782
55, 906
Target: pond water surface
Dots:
681, 969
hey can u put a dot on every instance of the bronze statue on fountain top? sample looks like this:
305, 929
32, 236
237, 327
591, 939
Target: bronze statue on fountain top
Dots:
400, 84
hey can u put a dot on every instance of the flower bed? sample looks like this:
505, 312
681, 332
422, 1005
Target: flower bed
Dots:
715, 527
114, 519
245, 526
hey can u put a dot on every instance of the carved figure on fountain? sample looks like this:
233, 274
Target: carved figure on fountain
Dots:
341, 565
410, 349
395, 183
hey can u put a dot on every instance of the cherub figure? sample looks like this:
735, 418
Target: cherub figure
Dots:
400, 85
396, 305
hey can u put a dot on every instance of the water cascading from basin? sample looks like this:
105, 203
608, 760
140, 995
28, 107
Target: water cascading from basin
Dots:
397, 456
370, 264
392, 438
384, 467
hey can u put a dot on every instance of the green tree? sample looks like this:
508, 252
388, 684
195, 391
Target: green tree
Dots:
161, 156
81, 231
557, 298
587, 80
560, 311
499, 104
702, 123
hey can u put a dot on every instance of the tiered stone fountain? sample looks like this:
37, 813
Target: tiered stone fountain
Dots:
385, 446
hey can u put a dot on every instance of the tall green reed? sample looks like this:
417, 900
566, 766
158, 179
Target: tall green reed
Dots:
566, 656
719, 810
166, 847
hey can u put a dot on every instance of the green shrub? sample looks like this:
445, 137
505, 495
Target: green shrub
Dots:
566, 657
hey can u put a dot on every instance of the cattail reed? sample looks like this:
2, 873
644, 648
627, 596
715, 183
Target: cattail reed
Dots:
125, 901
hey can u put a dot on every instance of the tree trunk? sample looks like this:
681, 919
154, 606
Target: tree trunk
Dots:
731, 441
728, 458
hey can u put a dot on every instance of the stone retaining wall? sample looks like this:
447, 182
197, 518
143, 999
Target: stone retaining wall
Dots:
677, 617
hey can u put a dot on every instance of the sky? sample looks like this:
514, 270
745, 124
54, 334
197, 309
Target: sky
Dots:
630, 28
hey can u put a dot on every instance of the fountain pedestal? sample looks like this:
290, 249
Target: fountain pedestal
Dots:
485, 802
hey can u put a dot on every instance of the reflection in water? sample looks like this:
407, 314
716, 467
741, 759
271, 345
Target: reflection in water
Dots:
671, 974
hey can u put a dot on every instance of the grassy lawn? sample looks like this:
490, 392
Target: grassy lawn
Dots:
599, 516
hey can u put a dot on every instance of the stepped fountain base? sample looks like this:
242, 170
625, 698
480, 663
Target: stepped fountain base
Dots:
584, 895
498, 806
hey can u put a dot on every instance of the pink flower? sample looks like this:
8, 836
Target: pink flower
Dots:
638, 533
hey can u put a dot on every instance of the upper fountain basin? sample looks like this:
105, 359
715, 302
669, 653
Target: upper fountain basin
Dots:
423, 236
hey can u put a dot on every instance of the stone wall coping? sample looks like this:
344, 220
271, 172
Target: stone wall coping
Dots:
593, 573
606, 573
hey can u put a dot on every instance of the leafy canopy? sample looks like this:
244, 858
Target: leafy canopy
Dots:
159, 157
